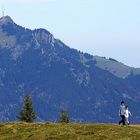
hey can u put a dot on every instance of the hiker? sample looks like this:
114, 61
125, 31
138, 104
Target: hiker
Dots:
122, 113
127, 114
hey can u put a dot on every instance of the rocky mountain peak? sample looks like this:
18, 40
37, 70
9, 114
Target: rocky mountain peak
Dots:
6, 20
43, 36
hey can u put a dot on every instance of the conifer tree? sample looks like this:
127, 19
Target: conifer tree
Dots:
64, 117
27, 113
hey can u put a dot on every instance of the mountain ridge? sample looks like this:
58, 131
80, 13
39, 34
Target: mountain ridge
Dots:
126, 70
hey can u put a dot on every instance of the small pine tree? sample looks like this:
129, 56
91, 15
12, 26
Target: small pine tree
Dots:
64, 117
27, 113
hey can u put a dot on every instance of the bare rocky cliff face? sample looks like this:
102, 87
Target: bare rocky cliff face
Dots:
89, 87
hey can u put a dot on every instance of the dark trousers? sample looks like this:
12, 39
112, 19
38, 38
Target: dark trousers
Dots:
122, 120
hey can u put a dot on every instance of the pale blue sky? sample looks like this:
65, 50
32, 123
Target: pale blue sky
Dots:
108, 28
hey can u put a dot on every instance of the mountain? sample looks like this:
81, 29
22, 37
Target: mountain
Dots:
55, 75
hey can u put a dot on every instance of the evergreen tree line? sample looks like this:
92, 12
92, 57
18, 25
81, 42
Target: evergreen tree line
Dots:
27, 113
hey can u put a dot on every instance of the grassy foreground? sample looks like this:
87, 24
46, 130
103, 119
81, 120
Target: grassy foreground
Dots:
51, 131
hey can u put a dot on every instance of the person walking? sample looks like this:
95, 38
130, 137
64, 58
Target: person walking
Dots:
127, 115
122, 113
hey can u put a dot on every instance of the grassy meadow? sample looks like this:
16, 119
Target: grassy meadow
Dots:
71, 131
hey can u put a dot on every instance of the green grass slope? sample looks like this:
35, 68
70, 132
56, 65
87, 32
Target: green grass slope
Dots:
50, 131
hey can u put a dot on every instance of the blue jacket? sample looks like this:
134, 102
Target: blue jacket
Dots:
122, 110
